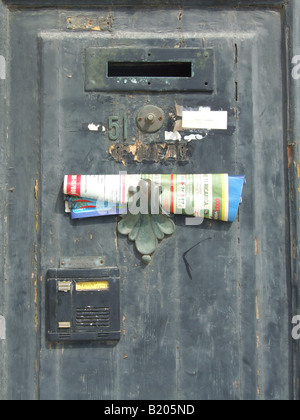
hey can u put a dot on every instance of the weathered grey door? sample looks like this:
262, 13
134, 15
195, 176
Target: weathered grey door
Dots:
227, 332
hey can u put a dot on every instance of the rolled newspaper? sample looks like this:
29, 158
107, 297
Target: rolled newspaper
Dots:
212, 196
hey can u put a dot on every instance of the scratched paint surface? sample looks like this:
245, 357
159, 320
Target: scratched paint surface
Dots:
207, 319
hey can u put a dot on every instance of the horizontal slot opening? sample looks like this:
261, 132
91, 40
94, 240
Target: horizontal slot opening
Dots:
149, 69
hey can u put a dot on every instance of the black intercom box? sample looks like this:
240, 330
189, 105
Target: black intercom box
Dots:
83, 304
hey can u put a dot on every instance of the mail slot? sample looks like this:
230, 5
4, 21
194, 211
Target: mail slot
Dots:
150, 69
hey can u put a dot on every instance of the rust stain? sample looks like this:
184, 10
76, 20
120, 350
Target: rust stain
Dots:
290, 154
256, 245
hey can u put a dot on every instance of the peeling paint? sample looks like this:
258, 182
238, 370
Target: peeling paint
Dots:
36, 219
172, 135
36, 196
2, 328
258, 385
257, 309
151, 152
2, 68
89, 23
36, 189
191, 137
94, 127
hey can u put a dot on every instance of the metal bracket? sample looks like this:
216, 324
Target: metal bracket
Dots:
146, 229
82, 262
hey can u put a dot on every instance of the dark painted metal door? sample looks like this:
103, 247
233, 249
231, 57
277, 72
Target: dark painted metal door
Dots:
225, 333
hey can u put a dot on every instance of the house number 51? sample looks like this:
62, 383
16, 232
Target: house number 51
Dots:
114, 128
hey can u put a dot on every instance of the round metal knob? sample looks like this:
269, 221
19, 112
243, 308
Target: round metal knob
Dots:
150, 119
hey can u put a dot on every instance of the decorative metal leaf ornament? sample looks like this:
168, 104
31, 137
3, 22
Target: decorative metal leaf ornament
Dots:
146, 229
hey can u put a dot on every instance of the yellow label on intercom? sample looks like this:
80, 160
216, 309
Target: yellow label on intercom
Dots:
89, 286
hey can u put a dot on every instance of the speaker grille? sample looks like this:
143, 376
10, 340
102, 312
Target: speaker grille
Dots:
90, 317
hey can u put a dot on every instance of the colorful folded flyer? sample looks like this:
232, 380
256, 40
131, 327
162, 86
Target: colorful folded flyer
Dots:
80, 207
212, 196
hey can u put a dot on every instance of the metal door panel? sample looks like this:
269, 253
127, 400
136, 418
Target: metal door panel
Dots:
222, 334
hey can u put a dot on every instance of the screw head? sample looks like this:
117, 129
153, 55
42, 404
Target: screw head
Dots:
150, 118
